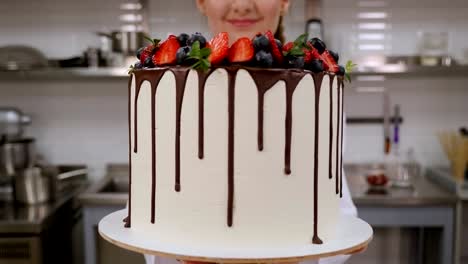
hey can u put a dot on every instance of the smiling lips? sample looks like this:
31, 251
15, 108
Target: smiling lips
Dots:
243, 23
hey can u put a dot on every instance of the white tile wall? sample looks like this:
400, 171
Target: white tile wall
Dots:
85, 122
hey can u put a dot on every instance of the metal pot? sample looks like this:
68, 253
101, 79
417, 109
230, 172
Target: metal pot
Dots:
16, 155
126, 42
32, 187
12, 122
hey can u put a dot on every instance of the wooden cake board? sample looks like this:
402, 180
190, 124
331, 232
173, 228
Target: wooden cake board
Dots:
353, 235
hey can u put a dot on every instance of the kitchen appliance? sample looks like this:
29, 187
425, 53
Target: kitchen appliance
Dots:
12, 123
16, 155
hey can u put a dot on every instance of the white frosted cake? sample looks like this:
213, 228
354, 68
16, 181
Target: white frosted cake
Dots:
235, 155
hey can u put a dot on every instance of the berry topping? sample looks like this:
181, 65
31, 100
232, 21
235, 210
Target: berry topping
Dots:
148, 63
166, 54
182, 54
263, 59
261, 42
335, 55
308, 55
329, 63
146, 52
197, 37
295, 62
288, 46
139, 51
315, 66
138, 65
183, 38
275, 51
318, 44
341, 70
279, 44
219, 46
241, 51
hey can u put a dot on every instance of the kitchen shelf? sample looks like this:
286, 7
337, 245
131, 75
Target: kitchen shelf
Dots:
52, 74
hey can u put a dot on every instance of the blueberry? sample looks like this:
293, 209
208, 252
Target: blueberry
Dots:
197, 37
318, 44
263, 59
261, 42
138, 65
148, 63
315, 66
335, 55
279, 44
139, 51
183, 38
295, 62
341, 70
182, 54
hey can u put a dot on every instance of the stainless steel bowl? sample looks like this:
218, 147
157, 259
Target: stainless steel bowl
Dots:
32, 186
16, 155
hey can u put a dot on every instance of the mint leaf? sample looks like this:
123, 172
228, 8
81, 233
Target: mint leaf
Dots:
301, 40
205, 52
349, 67
200, 56
152, 41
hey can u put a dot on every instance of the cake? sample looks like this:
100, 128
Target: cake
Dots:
237, 146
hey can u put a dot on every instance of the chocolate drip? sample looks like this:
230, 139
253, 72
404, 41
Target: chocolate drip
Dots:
232, 73
340, 85
330, 142
338, 123
181, 79
127, 219
153, 77
292, 81
318, 83
202, 77
264, 80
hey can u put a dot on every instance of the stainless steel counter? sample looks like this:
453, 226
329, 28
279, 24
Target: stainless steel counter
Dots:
32, 219
113, 189
422, 193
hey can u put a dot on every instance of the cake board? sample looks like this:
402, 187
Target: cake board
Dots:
354, 235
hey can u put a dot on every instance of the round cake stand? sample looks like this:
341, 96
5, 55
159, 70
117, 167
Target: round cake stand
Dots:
353, 235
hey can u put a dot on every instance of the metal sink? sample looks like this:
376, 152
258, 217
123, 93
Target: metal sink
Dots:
111, 190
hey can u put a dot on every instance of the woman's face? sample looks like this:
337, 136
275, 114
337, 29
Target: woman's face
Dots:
242, 18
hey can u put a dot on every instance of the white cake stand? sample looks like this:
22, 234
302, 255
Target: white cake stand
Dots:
353, 235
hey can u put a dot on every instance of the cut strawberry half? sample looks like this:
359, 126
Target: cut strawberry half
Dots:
288, 46
219, 46
329, 63
275, 51
166, 54
241, 51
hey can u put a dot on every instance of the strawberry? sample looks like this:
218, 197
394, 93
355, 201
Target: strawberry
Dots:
329, 63
314, 52
219, 46
146, 52
166, 54
275, 51
308, 57
288, 46
241, 51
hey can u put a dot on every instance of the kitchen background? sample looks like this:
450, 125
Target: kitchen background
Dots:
81, 119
